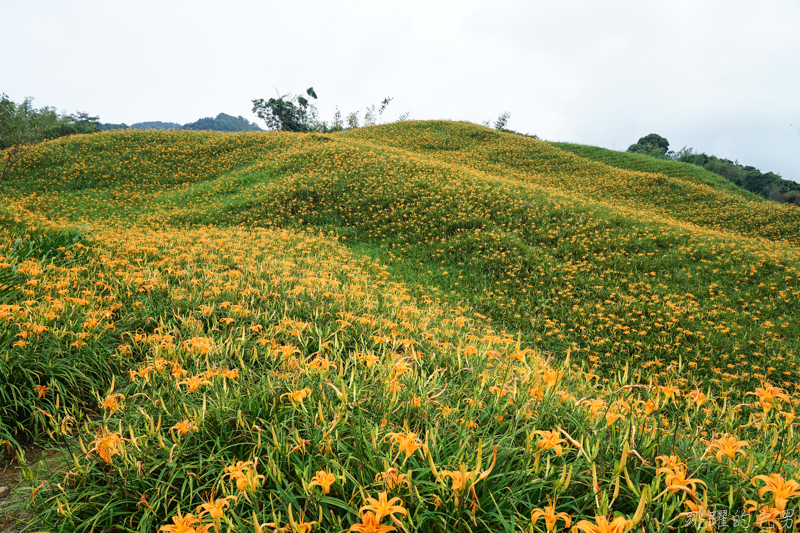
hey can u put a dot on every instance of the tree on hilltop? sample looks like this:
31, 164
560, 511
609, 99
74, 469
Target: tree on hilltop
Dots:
19, 130
155, 125
297, 113
222, 122
287, 112
653, 145
768, 185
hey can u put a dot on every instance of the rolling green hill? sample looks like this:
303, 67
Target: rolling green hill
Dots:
372, 303
608, 263
640, 162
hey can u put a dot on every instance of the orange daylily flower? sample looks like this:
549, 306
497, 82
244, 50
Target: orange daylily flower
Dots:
767, 517
193, 383
323, 479
782, 490
112, 402
676, 479
474, 403
133, 374
301, 526
548, 440
550, 516
699, 514
698, 397
728, 446
671, 461
669, 391
243, 473
297, 396
215, 508
649, 407
177, 371
106, 445
185, 426
371, 524
391, 478
370, 359
503, 391
619, 524
595, 405
181, 523
460, 479
229, 373
551, 376
383, 507
407, 442
767, 396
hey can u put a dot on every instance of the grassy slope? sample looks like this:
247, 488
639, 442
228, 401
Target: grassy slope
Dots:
609, 280
542, 164
618, 269
609, 264
639, 162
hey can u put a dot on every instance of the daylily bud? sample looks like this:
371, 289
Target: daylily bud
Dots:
637, 517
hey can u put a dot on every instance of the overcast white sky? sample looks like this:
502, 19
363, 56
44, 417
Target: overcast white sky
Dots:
721, 76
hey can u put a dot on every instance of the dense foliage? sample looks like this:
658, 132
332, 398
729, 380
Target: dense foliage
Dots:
652, 144
156, 125
222, 122
297, 113
768, 185
287, 112
22, 125
421, 326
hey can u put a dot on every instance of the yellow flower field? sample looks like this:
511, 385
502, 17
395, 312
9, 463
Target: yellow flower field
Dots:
423, 326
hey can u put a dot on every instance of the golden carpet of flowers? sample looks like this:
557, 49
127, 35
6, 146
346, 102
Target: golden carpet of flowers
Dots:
218, 377
600, 280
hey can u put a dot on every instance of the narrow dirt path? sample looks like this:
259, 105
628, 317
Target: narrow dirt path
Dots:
15, 490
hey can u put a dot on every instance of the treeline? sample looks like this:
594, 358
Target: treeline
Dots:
222, 122
22, 126
769, 185
294, 112
151, 125
24, 123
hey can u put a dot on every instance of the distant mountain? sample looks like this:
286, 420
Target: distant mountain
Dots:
222, 122
156, 125
106, 127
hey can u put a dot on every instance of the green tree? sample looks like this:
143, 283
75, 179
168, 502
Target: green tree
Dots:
653, 145
155, 125
792, 197
287, 112
352, 120
766, 184
20, 128
109, 126
338, 124
63, 125
369, 116
384, 105
222, 122
688, 155
502, 121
